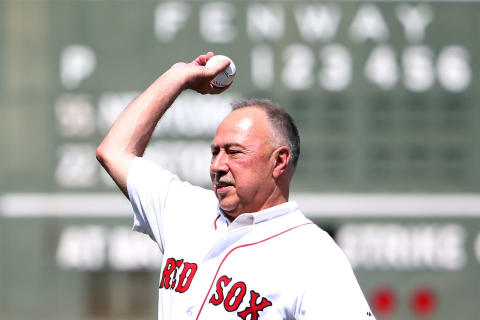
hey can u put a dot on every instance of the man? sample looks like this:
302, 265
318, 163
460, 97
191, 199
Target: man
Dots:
242, 251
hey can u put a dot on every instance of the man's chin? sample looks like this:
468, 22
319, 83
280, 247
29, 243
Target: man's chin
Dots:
227, 206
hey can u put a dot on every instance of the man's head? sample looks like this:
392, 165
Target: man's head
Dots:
254, 155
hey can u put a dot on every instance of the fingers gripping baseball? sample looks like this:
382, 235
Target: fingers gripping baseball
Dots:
201, 75
202, 59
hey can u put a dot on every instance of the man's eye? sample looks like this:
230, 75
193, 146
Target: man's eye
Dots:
233, 151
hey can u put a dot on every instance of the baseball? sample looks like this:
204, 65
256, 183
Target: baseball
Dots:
224, 78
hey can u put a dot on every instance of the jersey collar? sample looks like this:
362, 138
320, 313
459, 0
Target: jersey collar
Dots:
247, 219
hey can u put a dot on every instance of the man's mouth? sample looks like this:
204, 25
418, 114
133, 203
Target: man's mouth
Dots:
223, 187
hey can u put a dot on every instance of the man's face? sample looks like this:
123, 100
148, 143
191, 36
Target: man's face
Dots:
243, 161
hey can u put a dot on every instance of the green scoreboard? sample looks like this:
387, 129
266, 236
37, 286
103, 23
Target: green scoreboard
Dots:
385, 95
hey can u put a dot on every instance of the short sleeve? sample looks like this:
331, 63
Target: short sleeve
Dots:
166, 207
148, 186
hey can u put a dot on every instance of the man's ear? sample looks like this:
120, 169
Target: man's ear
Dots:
282, 161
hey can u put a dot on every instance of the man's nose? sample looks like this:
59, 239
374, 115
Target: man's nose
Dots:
219, 162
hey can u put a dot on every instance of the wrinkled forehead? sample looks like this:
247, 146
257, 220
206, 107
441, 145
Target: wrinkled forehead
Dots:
244, 125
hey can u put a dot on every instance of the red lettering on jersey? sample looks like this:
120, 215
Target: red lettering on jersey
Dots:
238, 297
170, 266
186, 277
169, 275
235, 296
254, 308
217, 297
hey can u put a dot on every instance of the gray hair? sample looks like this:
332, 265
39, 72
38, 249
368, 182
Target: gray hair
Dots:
281, 122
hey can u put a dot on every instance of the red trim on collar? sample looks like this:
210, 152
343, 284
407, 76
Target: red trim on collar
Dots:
215, 222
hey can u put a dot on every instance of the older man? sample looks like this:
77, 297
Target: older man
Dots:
242, 251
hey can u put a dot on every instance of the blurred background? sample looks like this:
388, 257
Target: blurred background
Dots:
385, 95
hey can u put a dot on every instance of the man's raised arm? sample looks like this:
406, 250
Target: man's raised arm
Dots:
131, 132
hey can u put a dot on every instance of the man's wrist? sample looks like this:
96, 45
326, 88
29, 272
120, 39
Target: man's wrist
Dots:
178, 75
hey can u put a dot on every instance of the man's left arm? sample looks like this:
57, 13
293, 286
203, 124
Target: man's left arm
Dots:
331, 289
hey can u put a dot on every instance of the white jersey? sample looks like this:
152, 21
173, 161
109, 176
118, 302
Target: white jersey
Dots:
272, 264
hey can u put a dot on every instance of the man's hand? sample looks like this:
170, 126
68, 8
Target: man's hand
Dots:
198, 77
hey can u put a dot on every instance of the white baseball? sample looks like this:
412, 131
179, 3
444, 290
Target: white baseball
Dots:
225, 77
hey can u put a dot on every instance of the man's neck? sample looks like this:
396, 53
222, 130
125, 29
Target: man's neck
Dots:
275, 199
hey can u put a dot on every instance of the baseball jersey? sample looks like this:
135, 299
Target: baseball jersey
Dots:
271, 264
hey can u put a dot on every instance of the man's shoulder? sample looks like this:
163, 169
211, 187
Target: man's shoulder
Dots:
310, 239
298, 230
312, 234
147, 172
151, 182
